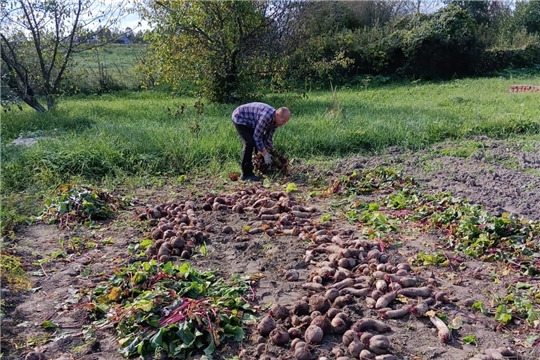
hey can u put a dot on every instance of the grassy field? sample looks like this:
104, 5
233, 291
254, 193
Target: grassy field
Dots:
110, 67
114, 137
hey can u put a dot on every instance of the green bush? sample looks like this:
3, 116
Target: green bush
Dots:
499, 59
443, 46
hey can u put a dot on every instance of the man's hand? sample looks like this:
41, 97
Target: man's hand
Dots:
267, 159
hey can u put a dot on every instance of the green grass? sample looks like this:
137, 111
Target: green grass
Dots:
106, 68
141, 134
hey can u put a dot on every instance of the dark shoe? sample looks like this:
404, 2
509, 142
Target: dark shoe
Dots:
250, 178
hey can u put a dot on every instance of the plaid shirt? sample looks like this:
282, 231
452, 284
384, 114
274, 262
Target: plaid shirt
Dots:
260, 117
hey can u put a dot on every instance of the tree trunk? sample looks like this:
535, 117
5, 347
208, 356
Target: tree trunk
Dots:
32, 102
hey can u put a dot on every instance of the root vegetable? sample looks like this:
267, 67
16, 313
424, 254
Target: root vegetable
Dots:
340, 276
292, 275
355, 292
385, 300
314, 334
239, 209
164, 258
348, 337
364, 338
303, 353
319, 303
312, 286
366, 355
261, 349
300, 214
338, 325
270, 211
421, 308
157, 234
347, 263
297, 343
279, 336
178, 243
374, 254
294, 231
367, 324
332, 312
381, 285
348, 282
300, 308
443, 332
343, 300
370, 302
326, 272
385, 357
355, 348
408, 281
266, 325
279, 312
322, 322
414, 292
397, 314
332, 294
402, 272
379, 344
391, 278
294, 333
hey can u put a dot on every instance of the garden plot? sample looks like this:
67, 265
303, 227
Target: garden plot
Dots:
370, 261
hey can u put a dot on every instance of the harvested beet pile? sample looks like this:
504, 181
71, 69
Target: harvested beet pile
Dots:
355, 290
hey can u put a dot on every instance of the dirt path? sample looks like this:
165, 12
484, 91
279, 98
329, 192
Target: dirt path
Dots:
501, 177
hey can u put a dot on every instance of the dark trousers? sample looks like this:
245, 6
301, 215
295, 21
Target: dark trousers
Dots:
248, 146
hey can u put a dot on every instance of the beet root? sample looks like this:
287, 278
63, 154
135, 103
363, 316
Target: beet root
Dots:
266, 325
314, 334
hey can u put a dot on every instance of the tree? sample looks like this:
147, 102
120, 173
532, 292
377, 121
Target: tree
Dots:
223, 47
527, 15
37, 64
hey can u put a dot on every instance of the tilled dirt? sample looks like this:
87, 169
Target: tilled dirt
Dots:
500, 176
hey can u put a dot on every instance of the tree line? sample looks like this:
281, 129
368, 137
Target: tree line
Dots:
229, 51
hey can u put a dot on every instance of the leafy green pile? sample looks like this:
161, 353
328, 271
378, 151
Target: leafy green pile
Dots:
171, 309
463, 226
73, 203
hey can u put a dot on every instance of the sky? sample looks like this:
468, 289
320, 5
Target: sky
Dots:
132, 21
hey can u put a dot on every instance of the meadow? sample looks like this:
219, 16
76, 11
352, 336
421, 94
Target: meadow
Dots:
132, 136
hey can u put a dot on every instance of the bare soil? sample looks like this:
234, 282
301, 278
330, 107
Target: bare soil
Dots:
499, 175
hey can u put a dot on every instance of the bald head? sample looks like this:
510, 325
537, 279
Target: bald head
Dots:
282, 116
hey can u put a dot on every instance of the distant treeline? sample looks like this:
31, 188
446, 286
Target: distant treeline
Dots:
230, 48
231, 51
